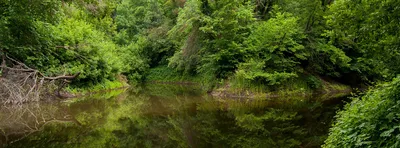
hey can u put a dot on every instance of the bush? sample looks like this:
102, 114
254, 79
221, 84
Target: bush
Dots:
253, 71
369, 121
60, 38
313, 82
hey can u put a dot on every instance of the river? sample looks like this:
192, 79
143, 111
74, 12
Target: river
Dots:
170, 116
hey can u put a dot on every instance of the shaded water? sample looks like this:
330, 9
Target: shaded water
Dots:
169, 116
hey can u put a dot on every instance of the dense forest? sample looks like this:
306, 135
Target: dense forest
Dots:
264, 45
257, 41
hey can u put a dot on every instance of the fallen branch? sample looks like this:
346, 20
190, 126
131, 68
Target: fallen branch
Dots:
63, 77
17, 69
20, 83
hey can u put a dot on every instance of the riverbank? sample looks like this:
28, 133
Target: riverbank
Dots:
233, 88
288, 89
305, 85
119, 83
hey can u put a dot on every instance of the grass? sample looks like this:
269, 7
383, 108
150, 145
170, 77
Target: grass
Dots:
329, 87
164, 74
292, 86
302, 85
104, 95
106, 85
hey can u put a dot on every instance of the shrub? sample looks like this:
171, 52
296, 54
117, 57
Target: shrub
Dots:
369, 121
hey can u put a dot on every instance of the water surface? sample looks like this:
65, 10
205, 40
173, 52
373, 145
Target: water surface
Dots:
169, 116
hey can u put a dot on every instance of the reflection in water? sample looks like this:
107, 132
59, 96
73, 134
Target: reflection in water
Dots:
170, 116
19, 121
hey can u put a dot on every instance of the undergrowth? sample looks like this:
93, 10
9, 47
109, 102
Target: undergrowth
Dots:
370, 120
106, 85
164, 74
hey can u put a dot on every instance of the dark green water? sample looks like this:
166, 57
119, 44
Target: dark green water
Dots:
169, 116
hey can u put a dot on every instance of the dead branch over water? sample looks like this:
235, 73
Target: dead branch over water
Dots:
20, 83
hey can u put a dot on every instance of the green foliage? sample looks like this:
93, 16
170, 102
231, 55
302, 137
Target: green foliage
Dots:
253, 72
226, 27
142, 33
186, 35
97, 88
314, 82
211, 35
88, 51
263, 44
328, 60
19, 20
274, 51
367, 31
268, 42
135, 16
370, 120
165, 74
311, 13
277, 42
63, 38
135, 65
